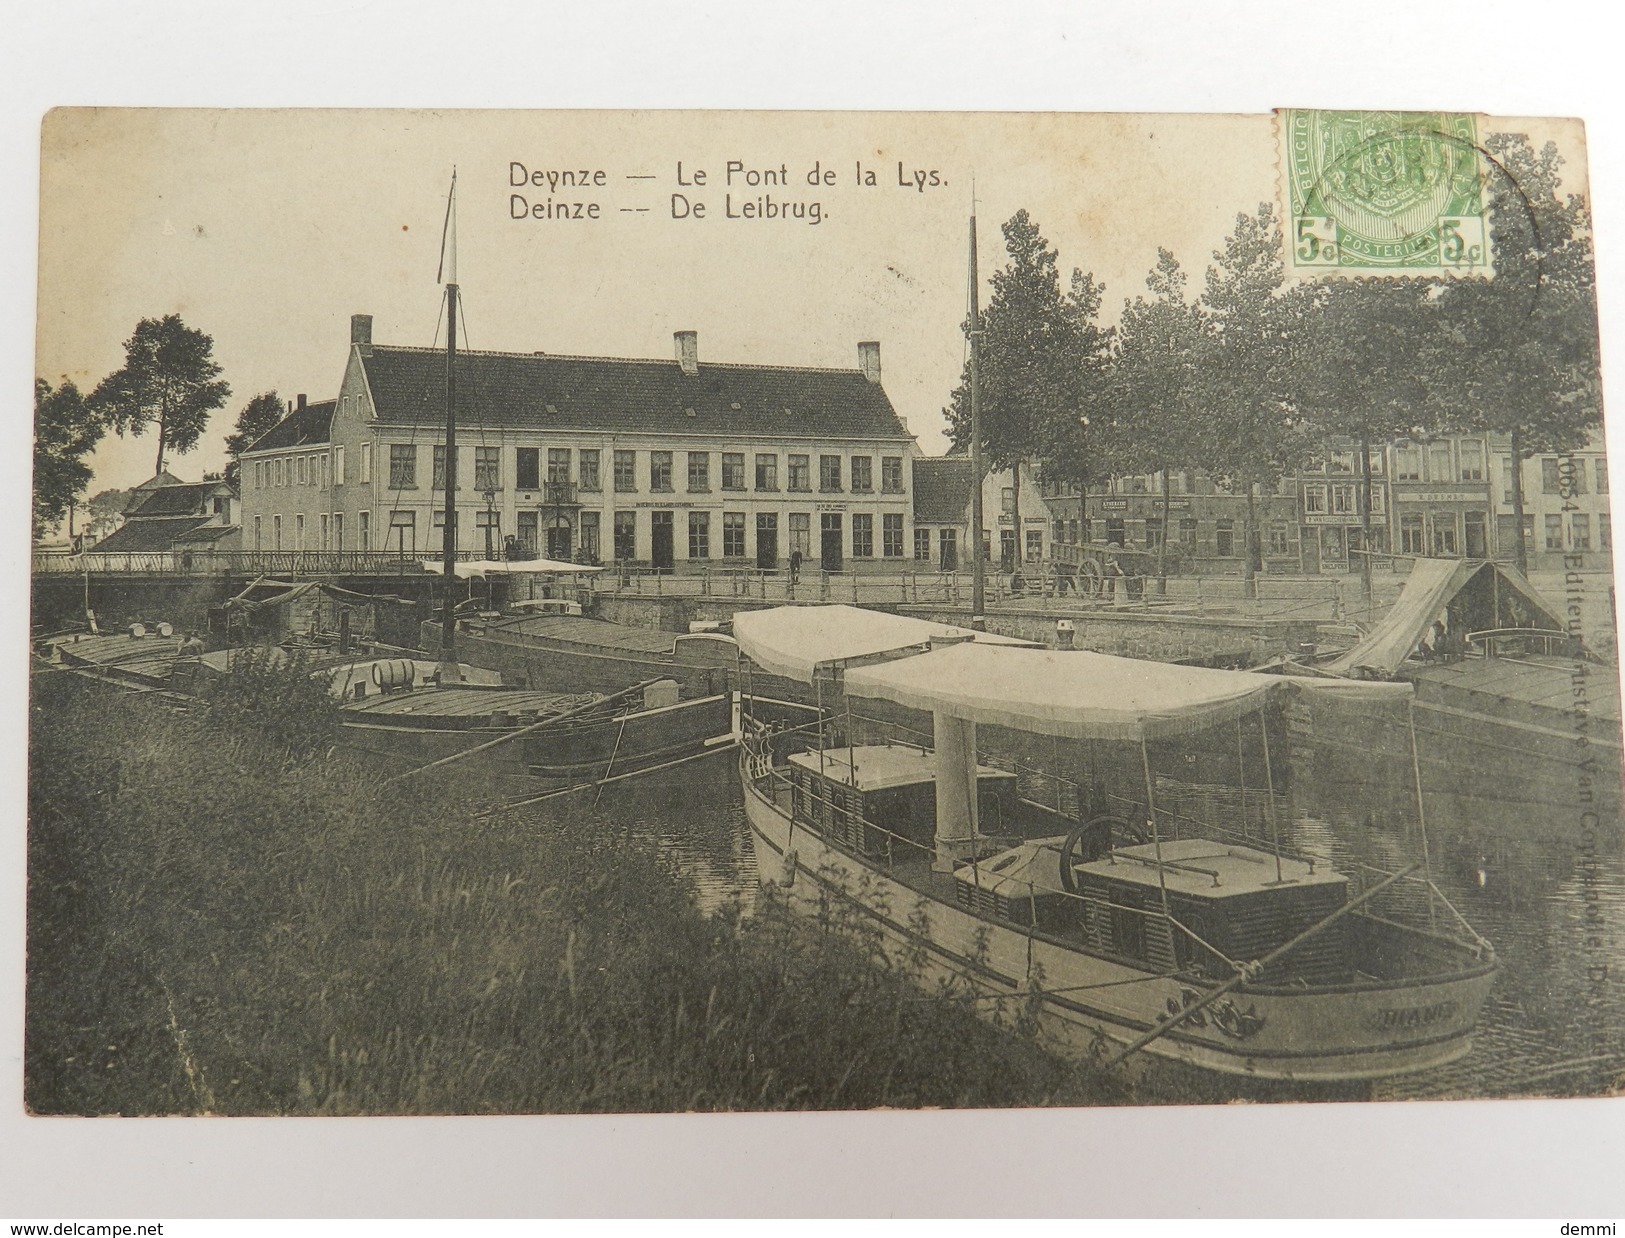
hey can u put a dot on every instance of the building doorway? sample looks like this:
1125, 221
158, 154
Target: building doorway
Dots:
558, 542
948, 550
661, 553
1475, 540
829, 541
767, 540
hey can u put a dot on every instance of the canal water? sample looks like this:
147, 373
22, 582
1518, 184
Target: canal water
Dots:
1543, 882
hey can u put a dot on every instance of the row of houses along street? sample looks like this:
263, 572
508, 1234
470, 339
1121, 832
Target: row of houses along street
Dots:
680, 464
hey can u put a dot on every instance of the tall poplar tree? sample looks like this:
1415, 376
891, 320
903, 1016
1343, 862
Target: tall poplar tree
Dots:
1156, 390
1253, 433
1039, 348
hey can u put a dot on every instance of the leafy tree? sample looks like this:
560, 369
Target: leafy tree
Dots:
1156, 391
253, 422
1366, 351
1253, 433
1036, 349
1526, 357
169, 381
65, 431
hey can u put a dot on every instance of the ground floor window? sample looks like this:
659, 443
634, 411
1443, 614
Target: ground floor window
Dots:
326, 532
1554, 532
363, 530
338, 530
1605, 532
891, 536
257, 533
276, 532
1224, 538
733, 535
1280, 540
801, 533
1580, 531
1035, 545
626, 536
299, 531
1187, 530
922, 545
863, 536
488, 526
948, 548
1444, 533
1114, 531
1410, 535
527, 532
699, 535
590, 537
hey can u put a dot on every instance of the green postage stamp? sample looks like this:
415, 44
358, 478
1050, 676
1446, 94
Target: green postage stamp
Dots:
1375, 193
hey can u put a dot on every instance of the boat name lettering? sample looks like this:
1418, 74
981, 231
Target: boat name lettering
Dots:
1414, 1016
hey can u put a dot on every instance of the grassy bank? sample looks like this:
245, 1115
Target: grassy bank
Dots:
227, 915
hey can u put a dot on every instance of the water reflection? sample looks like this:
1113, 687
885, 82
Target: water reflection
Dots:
1544, 883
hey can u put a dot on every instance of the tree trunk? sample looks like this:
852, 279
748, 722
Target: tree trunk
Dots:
163, 424
1365, 518
1015, 517
1162, 548
1522, 554
1249, 573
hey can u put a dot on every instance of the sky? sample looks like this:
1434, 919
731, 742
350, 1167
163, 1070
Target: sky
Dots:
268, 229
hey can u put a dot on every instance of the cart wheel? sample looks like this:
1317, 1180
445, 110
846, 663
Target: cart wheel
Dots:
1089, 577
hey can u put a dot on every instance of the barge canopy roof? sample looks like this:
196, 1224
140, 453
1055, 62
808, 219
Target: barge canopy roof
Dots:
1082, 695
794, 641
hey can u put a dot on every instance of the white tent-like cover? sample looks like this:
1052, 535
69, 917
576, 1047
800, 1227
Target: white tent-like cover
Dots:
1431, 586
794, 641
1005, 682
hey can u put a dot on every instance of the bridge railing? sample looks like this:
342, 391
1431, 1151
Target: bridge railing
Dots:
237, 562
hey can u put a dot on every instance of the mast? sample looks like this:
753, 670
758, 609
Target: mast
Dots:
448, 540
973, 329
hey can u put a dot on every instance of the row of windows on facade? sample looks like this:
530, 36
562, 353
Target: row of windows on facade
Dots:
1439, 462
658, 470
402, 532
1114, 531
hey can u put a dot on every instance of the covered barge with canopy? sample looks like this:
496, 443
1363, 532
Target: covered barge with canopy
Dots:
1113, 920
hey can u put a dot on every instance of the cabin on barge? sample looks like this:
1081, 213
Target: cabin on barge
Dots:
1133, 927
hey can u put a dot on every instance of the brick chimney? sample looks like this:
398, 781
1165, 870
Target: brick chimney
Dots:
361, 333
301, 398
869, 360
688, 351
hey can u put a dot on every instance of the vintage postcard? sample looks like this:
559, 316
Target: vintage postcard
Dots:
566, 612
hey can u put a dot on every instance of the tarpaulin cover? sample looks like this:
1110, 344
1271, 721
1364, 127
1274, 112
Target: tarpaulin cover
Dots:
1072, 694
1431, 586
503, 567
794, 640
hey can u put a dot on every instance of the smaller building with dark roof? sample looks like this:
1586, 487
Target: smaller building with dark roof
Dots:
165, 514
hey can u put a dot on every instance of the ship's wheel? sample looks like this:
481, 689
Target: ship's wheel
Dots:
1093, 839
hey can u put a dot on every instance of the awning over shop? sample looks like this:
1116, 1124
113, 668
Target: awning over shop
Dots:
794, 641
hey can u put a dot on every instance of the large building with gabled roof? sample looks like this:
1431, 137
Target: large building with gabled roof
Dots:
672, 464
